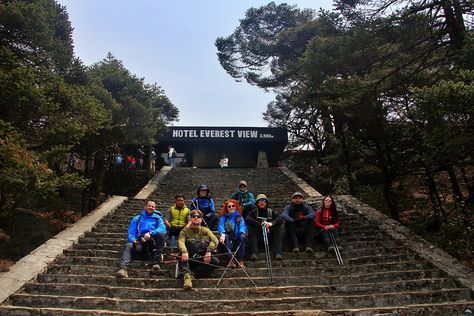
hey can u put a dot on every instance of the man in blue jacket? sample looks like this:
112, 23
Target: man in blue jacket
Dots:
299, 218
146, 235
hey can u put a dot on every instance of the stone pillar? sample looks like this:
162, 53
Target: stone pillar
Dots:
262, 161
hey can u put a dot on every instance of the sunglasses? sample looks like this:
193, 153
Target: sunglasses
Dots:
230, 206
196, 216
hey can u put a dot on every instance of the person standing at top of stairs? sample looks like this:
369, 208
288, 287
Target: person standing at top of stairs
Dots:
204, 202
245, 198
299, 218
146, 235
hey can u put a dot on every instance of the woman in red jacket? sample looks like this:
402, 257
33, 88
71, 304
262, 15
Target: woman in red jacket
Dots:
327, 221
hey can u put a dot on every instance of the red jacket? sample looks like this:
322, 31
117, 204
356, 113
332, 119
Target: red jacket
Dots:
324, 217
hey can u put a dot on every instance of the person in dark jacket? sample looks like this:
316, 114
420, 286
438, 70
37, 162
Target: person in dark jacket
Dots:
245, 198
232, 230
260, 215
327, 220
299, 217
204, 202
146, 234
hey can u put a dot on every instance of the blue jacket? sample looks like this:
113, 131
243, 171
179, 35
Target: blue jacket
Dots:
205, 204
144, 223
237, 221
294, 211
245, 199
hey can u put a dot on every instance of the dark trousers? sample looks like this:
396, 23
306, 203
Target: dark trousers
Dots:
246, 209
302, 230
232, 245
210, 220
143, 250
274, 238
174, 231
197, 266
324, 233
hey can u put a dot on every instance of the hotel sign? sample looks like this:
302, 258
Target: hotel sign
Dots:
229, 133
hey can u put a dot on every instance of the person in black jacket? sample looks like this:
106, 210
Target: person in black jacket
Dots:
262, 214
299, 217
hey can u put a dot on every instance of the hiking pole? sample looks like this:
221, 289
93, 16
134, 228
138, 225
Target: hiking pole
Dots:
231, 260
267, 253
193, 259
336, 248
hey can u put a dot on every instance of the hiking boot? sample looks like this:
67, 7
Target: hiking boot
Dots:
187, 282
330, 248
156, 267
122, 273
279, 257
241, 263
309, 250
296, 250
231, 265
253, 257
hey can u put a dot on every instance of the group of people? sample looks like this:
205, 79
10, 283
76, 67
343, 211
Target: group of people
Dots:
241, 222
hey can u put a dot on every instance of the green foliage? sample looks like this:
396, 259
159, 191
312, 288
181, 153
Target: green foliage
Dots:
22, 175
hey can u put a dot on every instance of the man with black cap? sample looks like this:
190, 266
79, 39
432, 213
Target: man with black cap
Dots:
245, 198
299, 217
263, 215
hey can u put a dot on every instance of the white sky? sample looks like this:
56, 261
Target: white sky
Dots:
171, 43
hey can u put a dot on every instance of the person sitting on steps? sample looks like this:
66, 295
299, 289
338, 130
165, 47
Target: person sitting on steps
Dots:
327, 220
232, 231
245, 198
204, 202
261, 213
177, 219
299, 217
196, 241
146, 235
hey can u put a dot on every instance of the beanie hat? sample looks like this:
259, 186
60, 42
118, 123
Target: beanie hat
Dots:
261, 196
242, 182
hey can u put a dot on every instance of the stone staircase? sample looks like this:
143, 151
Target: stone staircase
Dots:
381, 275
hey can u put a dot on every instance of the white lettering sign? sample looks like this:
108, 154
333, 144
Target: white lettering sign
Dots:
221, 133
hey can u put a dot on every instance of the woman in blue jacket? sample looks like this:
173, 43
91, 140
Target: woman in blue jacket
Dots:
232, 230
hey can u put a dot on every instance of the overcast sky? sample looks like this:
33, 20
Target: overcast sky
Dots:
171, 43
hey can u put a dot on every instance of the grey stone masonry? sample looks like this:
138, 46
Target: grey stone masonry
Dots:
407, 238
387, 270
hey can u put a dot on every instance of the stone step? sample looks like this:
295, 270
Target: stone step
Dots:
290, 260
236, 293
166, 281
123, 239
353, 245
432, 309
248, 304
277, 271
319, 254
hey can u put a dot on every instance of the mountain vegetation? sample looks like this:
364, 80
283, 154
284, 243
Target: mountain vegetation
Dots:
381, 94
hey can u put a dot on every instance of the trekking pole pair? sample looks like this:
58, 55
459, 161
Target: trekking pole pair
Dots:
267, 253
234, 259
336, 247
